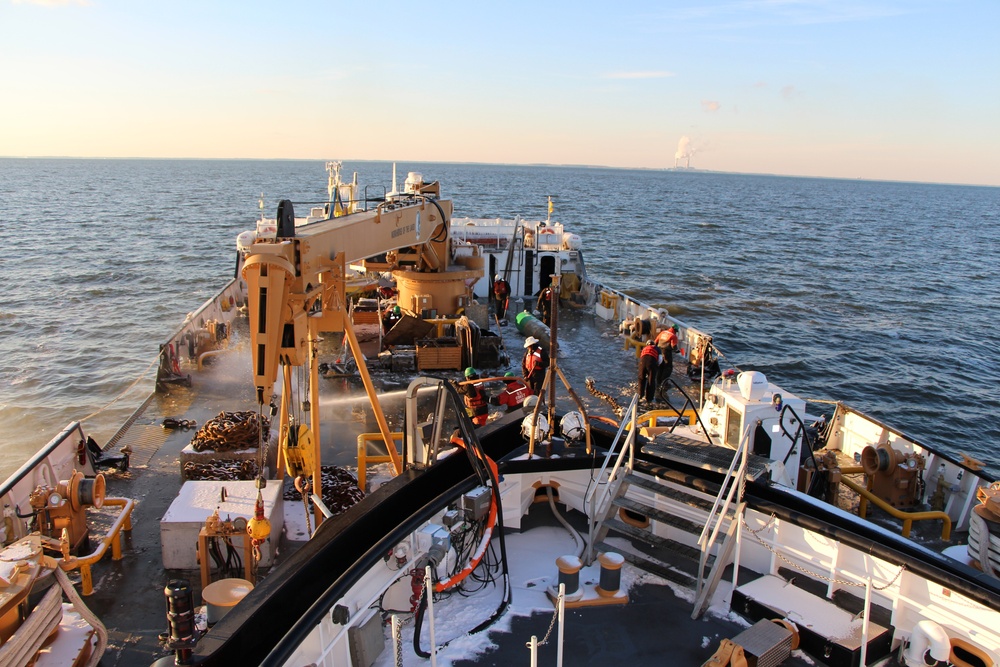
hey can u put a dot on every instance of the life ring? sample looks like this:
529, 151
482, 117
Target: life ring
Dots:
546, 231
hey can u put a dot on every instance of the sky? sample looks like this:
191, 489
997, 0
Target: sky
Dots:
904, 90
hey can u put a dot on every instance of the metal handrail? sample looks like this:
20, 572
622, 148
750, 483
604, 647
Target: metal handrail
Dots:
111, 539
597, 503
719, 508
741, 455
906, 517
364, 458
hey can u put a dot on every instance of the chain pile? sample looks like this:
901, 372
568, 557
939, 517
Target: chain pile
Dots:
604, 396
231, 431
340, 489
221, 471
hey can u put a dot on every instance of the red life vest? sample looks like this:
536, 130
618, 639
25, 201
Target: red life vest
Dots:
532, 362
666, 338
513, 396
650, 351
475, 406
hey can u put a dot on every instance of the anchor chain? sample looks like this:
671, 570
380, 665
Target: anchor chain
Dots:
606, 397
232, 430
340, 489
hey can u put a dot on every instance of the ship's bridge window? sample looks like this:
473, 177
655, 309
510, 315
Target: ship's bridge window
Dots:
734, 422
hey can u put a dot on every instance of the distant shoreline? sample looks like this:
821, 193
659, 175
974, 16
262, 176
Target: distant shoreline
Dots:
677, 170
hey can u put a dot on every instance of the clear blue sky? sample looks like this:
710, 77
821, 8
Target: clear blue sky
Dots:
882, 89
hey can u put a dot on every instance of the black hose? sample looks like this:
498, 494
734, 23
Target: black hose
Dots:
484, 470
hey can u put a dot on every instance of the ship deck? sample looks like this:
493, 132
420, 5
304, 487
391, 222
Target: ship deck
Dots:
129, 596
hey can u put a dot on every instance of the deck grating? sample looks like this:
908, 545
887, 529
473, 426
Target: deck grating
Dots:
145, 440
695, 452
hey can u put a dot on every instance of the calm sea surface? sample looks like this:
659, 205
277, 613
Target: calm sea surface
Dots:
883, 295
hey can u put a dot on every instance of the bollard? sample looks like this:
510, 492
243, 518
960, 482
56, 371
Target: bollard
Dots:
611, 574
569, 573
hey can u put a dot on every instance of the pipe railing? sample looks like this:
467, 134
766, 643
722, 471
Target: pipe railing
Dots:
364, 458
906, 517
731, 483
112, 538
598, 502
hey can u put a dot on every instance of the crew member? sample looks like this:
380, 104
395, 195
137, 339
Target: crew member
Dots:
513, 394
475, 399
544, 305
501, 295
666, 340
649, 360
392, 315
533, 364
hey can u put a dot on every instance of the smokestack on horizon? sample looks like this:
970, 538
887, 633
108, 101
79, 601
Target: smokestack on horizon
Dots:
684, 152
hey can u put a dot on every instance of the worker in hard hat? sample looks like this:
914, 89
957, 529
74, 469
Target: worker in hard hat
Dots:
513, 394
649, 361
547, 300
666, 340
390, 317
475, 399
534, 364
501, 296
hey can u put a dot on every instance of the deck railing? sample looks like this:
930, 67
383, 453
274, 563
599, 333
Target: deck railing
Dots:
602, 494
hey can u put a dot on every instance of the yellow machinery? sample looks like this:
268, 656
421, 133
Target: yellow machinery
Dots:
64, 508
296, 285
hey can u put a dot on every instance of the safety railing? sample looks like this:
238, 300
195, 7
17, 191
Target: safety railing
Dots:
906, 517
730, 493
111, 539
649, 419
601, 494
364, 458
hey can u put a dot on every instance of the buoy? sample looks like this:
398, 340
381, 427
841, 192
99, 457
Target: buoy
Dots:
529, 325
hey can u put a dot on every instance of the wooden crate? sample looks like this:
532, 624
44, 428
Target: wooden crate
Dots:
431, 356
367, 317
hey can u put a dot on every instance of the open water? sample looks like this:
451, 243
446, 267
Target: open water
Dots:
883, 295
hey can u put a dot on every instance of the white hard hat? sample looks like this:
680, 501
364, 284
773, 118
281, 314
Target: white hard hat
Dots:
496, 277
529, 341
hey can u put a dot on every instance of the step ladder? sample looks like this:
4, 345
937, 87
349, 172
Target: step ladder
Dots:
698, 567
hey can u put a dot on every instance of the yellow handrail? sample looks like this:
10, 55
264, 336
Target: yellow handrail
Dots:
653, 415
112, 538
364, 459
906, 517
633, 343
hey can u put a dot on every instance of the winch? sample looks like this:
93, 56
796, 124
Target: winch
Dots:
64, 507
893, 475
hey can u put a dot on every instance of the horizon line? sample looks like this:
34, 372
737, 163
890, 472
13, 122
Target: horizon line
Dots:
686, 170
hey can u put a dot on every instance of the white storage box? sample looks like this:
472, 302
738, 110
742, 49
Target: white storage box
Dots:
181, 524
